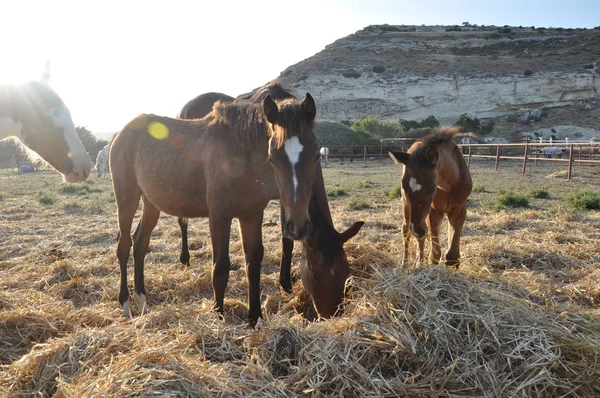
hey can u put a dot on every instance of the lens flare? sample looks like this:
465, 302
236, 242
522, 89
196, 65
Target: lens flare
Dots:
158, 130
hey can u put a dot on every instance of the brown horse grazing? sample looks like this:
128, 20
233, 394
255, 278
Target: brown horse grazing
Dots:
228, 164
34, 114
436, 181
324, 268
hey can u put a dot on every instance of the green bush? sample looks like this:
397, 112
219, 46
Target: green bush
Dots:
378, 128
396, 192
359, 204
333, 133
584, 200
479, 188
513, 200
474, 125
527, 73
47, 198
335, 192
429, 122
539, 193
379, 69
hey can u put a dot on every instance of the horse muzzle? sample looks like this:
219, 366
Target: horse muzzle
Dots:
294, 232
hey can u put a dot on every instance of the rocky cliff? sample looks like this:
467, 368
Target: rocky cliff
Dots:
410, 72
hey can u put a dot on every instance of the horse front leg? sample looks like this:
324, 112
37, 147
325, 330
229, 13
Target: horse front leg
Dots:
287, 247
456, 220
435, 221
251, 230
127, 197
406, 240
220, 230
184, 257
150, 215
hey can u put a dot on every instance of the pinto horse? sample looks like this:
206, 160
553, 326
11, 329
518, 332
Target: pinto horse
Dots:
34, 114
324, 267
228, 164
436, 181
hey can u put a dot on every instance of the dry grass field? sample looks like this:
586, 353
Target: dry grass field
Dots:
520, 317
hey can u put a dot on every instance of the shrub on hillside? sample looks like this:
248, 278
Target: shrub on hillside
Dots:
333, 133
474, 125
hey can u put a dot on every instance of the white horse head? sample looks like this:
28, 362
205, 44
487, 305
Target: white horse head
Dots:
34, 114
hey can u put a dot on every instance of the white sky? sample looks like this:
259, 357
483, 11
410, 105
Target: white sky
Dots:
111, 60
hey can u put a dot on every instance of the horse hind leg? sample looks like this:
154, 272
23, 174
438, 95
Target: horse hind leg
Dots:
456, 220
220, 231
150, 215
184, 257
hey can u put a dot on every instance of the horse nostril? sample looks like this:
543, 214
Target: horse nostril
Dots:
291, 228
307, 228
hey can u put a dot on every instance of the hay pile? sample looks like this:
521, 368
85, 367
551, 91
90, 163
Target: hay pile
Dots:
429, 332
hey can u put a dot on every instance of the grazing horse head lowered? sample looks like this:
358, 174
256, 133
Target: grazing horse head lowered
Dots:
34, 114
435, 181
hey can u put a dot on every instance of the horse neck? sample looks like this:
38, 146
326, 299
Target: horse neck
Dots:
10, 126
448, 169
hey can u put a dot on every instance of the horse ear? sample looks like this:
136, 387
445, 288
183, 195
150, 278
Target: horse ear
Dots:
399, 157
270, 109
46, 75
350, 232
309, 107
432, 155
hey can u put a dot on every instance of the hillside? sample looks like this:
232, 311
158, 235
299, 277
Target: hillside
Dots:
411, 72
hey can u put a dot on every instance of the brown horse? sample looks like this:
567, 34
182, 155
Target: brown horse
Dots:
324, 268
34, 114
436, 181
228, 164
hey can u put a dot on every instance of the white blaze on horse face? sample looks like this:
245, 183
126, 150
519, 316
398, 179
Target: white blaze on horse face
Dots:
293, 149
9, 128
81, 161
414, 185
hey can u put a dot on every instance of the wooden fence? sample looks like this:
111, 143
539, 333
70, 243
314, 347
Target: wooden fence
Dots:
570, 153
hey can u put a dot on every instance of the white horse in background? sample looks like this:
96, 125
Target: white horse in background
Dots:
102, 162
324, 153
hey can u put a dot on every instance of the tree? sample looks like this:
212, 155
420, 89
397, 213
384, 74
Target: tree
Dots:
474, 125
91, 144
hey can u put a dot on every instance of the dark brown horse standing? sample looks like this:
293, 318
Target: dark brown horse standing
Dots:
436, 181
324, 268
228, 164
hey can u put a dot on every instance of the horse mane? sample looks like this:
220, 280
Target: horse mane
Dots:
248, 126
433, 139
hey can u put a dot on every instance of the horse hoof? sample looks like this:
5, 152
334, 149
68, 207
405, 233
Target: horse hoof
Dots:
125, 311
286, 286
140, 299
185, 260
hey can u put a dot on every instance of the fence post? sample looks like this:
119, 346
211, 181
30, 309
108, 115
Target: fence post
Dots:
365, 156
525, 155
381, 152
469, 158
570, 163
497, 156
